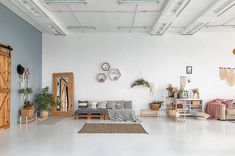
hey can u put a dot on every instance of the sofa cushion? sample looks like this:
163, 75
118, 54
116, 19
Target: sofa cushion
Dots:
82, 104
230, 112
119, 105
111, 104
102, 104
92, 104
128, 105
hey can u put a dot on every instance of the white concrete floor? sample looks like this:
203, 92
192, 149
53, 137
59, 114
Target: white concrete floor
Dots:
165, 138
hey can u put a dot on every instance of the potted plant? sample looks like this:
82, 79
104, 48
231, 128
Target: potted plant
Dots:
44, 100
170, 89
155, 105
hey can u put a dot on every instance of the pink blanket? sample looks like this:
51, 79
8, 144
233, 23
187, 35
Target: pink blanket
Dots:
212, 107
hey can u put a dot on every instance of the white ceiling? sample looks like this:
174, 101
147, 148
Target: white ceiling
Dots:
185, 17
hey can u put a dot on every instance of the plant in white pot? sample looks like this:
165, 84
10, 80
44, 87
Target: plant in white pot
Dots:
44, 100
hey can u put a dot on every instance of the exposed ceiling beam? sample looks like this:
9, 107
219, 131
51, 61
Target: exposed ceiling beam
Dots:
170, 11
23, 15
37, 15
210, 15
56, 27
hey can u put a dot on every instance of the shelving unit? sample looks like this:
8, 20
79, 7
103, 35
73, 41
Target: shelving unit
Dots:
189, 106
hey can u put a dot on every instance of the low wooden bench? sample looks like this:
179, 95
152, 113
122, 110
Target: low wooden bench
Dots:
101, 116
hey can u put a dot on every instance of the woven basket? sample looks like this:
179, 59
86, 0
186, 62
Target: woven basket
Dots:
27, 112
155, 106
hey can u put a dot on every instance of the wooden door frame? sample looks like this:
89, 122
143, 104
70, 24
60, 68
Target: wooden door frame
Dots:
70, 77
6, 53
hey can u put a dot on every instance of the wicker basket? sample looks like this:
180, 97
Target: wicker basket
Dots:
155, 106
27, 112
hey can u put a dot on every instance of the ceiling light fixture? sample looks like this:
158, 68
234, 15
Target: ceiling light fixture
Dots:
160, 28
81, 27
65, 2
138, 1
193, 28
135, 28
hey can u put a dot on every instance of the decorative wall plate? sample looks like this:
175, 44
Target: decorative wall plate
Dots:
101, 77
105, 66
114, 74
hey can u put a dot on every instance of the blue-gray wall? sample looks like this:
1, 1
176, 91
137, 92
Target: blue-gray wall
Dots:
27, 44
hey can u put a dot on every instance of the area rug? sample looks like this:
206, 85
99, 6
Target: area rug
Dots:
112, 128
50, 121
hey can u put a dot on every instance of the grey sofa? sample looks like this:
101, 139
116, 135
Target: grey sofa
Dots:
99, 109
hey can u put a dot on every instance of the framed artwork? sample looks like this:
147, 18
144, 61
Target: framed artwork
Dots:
185, 94
189, 69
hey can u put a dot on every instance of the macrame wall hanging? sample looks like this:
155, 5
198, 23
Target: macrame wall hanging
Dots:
227, 74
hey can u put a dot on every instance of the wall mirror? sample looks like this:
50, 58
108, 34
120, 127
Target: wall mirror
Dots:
63, 94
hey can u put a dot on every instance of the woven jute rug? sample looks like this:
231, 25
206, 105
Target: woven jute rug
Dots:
112, 128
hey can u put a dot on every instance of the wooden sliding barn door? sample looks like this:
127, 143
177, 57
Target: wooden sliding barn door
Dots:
5, 75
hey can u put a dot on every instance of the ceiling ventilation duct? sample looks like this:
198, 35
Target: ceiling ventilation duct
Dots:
171, 10
216, 10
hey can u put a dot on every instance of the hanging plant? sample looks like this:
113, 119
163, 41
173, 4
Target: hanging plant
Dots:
23, 91
140, 82
29, 90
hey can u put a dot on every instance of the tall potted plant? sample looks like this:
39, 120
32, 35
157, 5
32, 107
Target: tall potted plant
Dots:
44, 100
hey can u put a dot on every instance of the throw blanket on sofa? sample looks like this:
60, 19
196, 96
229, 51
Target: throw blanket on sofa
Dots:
122, 115
212, 107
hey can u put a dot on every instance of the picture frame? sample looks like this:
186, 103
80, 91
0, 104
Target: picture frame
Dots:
185, 94
189, 69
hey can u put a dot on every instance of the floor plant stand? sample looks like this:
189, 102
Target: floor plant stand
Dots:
26, 119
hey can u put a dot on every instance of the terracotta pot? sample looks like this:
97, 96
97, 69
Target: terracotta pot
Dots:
155, 106
44, 114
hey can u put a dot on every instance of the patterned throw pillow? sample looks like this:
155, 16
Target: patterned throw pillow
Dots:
101, 104
232, 105
92, 104
82, 104
111, 104
120, 105
128, 105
